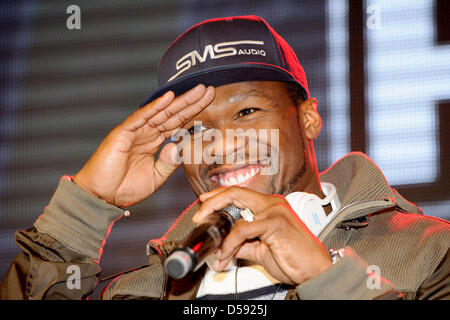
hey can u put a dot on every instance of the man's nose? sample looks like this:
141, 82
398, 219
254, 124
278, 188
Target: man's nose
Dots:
226, 145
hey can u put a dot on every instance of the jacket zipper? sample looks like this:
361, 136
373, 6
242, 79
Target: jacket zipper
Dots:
376, 207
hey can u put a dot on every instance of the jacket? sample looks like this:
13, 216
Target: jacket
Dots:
392, 250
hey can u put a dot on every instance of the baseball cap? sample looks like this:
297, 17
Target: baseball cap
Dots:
227, 50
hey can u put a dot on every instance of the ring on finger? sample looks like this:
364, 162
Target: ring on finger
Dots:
247, 215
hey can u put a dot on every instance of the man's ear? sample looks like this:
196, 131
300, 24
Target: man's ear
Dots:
309, 118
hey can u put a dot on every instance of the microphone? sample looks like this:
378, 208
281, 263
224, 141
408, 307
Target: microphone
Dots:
192, 251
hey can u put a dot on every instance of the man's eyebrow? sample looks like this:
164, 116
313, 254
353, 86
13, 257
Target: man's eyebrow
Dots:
243, 95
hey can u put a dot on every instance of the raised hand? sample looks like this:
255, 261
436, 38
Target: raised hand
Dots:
123, 170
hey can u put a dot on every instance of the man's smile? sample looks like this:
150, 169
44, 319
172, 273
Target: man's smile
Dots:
236, 176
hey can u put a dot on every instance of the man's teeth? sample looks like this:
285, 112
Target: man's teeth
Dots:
240, 178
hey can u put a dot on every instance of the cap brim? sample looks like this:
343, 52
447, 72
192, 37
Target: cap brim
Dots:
222, 75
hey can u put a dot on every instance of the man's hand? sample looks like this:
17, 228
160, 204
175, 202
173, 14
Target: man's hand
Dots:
277, 239
123, 170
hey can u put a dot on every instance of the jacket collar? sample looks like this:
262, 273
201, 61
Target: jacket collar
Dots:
362, 189
357, 178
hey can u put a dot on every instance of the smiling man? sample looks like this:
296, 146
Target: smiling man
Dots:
341, 234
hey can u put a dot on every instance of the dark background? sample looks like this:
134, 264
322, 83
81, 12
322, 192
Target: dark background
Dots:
63, 90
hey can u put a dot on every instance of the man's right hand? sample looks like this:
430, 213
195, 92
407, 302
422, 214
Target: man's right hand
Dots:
123, 170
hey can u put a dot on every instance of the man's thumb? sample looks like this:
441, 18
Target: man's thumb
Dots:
166, 164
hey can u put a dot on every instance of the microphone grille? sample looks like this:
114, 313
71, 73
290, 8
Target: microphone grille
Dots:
234, 212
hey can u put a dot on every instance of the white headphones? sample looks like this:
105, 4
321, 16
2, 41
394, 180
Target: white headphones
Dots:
309, 207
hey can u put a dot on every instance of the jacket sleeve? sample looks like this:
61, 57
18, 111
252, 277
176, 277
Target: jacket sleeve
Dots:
61, 252
348, 279
437, 286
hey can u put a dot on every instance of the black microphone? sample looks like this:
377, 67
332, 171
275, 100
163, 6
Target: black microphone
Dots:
190, 254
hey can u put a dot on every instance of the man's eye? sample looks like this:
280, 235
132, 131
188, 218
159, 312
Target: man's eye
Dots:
247, 111
197, 129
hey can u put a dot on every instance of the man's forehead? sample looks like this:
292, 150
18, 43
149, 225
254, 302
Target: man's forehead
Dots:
241, 96
238, 92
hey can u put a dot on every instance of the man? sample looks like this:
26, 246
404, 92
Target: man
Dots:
236, 74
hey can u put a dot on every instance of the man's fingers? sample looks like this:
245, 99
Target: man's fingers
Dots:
205, 196
169, 112
188, 113
183, 108
168, 154
240, 233
166, 164
219, 202
267, 224
246, 251
240, 197
142, 115
154, 135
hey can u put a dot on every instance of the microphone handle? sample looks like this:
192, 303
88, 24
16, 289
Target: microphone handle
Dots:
192, 251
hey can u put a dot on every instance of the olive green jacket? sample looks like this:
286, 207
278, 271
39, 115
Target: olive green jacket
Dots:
392, 250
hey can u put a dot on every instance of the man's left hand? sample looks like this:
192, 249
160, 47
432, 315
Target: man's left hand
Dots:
277, 239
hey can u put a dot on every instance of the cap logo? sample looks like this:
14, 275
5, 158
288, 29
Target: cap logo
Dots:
217, 51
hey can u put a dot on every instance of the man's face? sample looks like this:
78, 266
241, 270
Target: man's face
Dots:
253, 106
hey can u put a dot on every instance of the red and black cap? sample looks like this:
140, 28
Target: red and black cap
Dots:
227, 50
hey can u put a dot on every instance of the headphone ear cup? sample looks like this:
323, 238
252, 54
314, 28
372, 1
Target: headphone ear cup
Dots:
314, 214
309, 209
